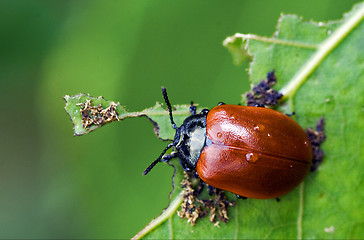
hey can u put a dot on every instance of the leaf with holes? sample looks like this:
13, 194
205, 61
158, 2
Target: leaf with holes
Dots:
89, 113
320, 69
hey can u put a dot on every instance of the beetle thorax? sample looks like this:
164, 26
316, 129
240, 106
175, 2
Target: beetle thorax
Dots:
190, 140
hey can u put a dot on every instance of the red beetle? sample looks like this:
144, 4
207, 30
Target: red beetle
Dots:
254, 152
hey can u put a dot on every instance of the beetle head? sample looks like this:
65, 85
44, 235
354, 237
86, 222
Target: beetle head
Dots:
189, 139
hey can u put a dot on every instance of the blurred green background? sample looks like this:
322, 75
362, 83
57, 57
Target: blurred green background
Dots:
55, 185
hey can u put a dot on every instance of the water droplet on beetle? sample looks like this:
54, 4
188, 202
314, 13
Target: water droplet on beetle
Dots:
219, 134
251, 157
259, 127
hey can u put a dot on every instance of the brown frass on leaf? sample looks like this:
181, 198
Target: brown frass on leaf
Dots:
97, 115
193, 207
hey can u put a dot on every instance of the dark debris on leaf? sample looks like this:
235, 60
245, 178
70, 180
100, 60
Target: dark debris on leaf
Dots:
316, 139
262, 94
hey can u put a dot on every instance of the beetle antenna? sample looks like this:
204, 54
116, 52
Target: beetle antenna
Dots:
164, 91
157, 160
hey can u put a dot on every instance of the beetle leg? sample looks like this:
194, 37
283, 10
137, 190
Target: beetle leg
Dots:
278, 200
241, 197
259, 105
205, 111
184, 166
211, 190
168, 157
290, 114
199, 188
192, 109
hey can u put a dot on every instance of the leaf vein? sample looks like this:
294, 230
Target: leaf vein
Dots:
270, 40
325, 48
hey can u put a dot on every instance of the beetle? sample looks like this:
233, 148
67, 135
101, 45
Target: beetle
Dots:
254, 152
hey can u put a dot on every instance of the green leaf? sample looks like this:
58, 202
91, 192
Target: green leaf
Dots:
320, 69
156, 114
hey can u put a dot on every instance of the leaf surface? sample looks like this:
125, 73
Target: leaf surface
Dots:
329, 203
320, 68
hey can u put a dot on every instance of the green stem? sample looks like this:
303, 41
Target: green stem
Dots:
172, 208
323, 50
300, 211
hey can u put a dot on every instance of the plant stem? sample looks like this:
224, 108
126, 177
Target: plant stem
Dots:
168, 212
300, 211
